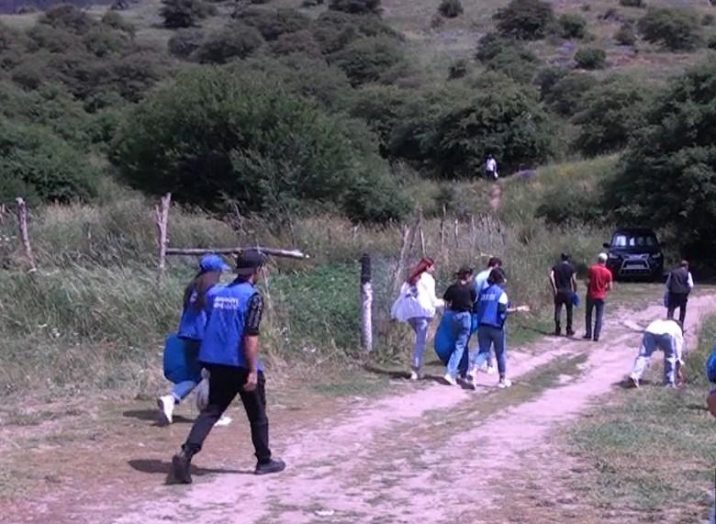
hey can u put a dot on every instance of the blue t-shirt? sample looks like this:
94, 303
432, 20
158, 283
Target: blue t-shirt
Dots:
227, 308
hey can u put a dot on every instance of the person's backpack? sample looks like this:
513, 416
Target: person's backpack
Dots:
711, 366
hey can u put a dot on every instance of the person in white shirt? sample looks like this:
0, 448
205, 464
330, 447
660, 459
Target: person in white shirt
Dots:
668, 336
491, 168
417, 305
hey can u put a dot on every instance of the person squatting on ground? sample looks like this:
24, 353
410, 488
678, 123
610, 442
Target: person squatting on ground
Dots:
417, 305
668, 336
679, 284
494, 306
455, 326
599, 283
480, 284
230, 352
191, 331
564, 286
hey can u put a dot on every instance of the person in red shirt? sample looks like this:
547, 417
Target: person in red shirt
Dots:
599, 283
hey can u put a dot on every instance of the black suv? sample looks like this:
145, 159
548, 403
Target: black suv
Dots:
635, 252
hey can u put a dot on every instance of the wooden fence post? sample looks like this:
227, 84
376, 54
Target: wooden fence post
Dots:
161, 219
24, 235
366, 297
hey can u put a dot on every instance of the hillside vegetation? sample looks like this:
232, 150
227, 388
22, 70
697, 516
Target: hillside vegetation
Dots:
327, 126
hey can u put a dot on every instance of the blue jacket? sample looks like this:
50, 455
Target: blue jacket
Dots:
193, 320
492, 307
227, 308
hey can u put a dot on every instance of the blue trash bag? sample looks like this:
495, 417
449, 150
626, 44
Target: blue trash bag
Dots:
445, 337
711, 366
181, 360
666, 299
575, 299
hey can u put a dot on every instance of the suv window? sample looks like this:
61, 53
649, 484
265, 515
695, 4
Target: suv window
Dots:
634, 241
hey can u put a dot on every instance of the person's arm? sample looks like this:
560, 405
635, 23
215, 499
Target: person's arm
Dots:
610, 283
430, 288
691, 281
574, 282
552, 282
668, 281
251, 340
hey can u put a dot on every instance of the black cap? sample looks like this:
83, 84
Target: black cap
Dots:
464, 271
247, 262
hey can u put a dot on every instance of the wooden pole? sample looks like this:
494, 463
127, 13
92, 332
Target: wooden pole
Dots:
21, 211
285, 253
161, 219
398, 277
366, 297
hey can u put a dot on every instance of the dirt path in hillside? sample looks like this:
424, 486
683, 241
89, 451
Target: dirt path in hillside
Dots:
432, 455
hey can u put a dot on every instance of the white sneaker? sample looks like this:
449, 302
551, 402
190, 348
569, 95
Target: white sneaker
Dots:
166, 409
490, 370
223, 421
472, 374
450, 379
504, 383
414, 375
483, 366
634, 382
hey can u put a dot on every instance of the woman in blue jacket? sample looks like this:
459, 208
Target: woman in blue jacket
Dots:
186, 372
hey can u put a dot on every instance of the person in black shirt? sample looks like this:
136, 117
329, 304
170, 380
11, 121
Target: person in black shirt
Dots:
459, 299
564, 286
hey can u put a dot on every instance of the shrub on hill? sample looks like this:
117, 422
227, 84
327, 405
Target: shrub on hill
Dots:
274, 23
676, 29
355, 6
625, 35
633, 3
184, 13
668, 174
216, 135
300, 42
68, 18
507, 56
572, 26
450, 8
367, 59
185, 41
591, 58
566, 97
116, 21
334, 30
234, 41
525, 19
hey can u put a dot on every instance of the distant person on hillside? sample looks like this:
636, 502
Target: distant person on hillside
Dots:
599, 283
183, 367
564, 285
480, 284
230, 350
417, 305
679, 284
668, 336
454, 329
493, 308
491, 168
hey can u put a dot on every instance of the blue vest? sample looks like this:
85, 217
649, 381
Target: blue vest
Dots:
226, 308
488, 308
193, 320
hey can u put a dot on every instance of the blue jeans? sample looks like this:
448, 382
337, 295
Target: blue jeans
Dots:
649, 344
181, 390
592, 304
461, 323
489, 337
420, 326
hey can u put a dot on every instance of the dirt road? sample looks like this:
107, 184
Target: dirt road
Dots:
431, 454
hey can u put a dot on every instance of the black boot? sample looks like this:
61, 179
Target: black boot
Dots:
181, 467
270, 466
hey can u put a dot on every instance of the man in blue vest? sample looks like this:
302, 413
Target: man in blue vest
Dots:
229, 351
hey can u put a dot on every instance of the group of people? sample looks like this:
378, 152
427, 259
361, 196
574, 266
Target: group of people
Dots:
473, 304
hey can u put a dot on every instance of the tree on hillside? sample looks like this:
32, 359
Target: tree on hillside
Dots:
525, 19
184, 13
668, 179
217, 135
356, 6
676, 29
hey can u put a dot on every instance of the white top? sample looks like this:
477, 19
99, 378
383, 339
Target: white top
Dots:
491, 164
481, 280
671, 328
416, 301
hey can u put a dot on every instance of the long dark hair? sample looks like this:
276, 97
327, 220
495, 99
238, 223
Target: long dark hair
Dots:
201, 284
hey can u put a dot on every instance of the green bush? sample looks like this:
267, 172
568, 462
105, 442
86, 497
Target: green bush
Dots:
612, 111
334, 30
382, 107
234, 41
708, 19
572, 26
38, 165
668, 174
68, 18
450, 8
507, 56
626, 35
184, 13
355, 6
185, 41
566, 97
525, 19
564, 208
676, 29
367, 59
633, 3
301, 42
590, 58
711, 44
102, 43
272, 24
547, 78
216, 135
116, 21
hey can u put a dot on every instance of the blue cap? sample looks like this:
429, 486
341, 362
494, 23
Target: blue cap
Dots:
213, 263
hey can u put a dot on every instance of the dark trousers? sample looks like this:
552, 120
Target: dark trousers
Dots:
598, 305
677, 300
225, 383
563, 298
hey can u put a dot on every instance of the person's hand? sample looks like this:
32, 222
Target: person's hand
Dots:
523, 309
252, 380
